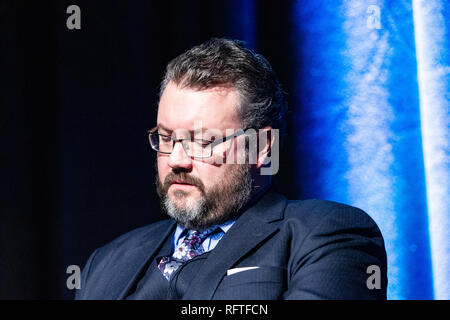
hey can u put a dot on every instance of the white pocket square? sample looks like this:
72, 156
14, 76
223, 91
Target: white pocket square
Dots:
236, 270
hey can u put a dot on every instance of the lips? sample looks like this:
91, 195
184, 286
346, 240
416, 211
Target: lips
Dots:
181, 182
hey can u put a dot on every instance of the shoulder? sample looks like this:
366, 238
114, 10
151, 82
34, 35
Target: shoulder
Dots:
135, 238
142, 233
331, 245
314, 213
116, 260
327, 225
309, 220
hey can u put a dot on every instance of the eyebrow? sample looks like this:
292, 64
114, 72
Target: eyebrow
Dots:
161, 126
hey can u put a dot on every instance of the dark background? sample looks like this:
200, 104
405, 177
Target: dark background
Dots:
77, 170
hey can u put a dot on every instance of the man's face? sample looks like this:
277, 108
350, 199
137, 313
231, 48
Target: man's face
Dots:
199, 192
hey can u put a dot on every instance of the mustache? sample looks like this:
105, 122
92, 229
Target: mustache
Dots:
182, 176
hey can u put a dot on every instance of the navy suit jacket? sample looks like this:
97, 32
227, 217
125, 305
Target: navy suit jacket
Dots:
310, 249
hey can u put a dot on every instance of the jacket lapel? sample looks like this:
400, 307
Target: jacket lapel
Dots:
250, 229
137, 259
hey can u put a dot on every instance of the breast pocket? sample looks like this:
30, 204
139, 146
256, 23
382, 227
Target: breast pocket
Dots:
264, 283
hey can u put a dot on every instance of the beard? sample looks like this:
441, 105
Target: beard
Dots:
220, 203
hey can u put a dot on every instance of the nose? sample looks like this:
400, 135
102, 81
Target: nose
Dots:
178, 158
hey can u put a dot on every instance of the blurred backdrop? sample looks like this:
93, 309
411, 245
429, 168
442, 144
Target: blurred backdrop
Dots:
369, 124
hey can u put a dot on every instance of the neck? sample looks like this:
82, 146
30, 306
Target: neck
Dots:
260, 183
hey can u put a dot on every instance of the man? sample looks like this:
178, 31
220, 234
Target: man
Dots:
231, 235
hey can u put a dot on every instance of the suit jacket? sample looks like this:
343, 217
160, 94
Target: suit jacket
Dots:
310, 249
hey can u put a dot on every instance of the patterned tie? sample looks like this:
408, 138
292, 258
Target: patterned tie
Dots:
188, 249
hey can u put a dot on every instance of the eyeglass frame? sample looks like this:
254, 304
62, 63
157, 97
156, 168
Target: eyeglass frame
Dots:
212, 143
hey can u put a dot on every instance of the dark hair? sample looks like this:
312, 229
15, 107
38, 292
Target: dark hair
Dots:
224, 62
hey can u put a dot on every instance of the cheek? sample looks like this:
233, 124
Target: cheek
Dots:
228, 153
211, 175
162, 167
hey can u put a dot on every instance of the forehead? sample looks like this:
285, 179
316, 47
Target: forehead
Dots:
181, 108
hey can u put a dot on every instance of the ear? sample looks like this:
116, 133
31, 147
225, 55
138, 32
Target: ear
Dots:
265, 143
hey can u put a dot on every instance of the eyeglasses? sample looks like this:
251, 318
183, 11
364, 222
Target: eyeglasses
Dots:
194, 148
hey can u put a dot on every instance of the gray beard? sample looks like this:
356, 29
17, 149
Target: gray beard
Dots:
216, 206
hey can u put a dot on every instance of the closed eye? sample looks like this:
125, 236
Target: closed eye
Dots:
203, 142
165, 138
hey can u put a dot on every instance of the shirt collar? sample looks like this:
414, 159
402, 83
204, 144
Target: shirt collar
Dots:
180, 231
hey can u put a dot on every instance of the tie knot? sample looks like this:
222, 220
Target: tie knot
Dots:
193, 237
197, 236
